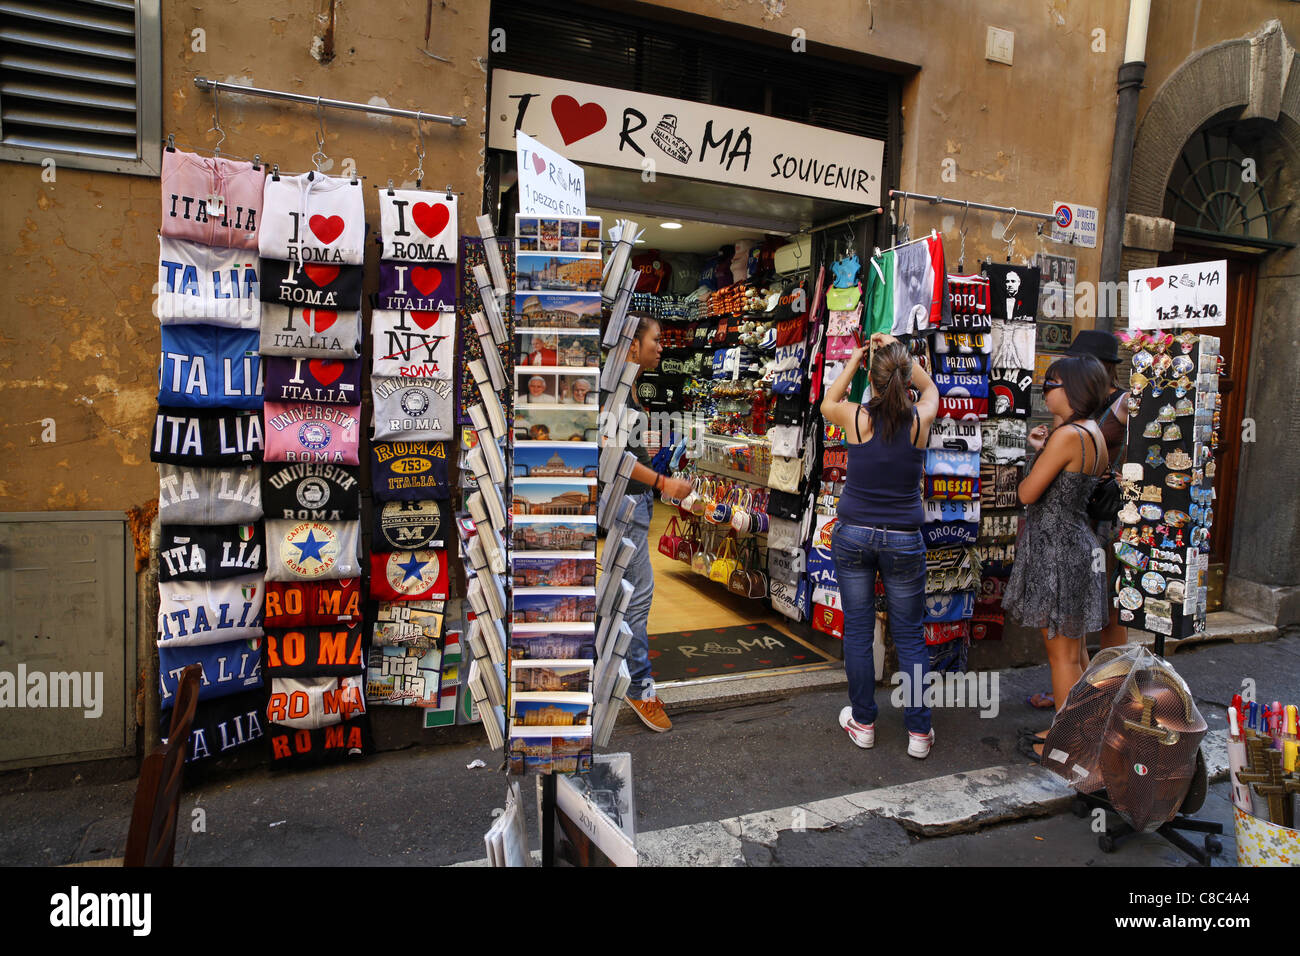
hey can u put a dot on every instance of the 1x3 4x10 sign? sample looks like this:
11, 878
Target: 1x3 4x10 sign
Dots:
609, 127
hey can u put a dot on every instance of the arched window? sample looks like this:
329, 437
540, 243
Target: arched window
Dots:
1223, 185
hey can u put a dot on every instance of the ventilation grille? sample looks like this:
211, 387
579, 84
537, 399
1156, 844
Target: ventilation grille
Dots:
68, 77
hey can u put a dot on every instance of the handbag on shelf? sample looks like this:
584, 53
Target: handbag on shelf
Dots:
670, 542
725, 563
703, 558
748, 581
722, 509
690, 543
741, 512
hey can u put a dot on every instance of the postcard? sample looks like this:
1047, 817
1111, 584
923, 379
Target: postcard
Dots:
556, 423
550, 676
547, 386
557, 310
579, 348
568, 642
557, 709
542, 750
543, 533
537, 459
541, 605
565, 569
558, 273
546, 496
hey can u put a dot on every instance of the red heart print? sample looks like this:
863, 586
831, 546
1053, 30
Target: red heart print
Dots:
424, 319
426, 280
326, 228
1155, 282
692, 670
321, 275
576, 121
432, 219
728, 665
326, 371
318, 320
539, 164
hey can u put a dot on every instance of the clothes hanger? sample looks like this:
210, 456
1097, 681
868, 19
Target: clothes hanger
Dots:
172, 144
319, 156
419, 153
961, 231
1007, 235
216, 121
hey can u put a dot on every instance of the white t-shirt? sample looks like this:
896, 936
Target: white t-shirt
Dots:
417, 226
207, 285
313, 218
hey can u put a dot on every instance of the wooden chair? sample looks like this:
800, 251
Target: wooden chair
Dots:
151, 840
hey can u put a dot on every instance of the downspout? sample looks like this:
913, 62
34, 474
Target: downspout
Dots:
1131, 73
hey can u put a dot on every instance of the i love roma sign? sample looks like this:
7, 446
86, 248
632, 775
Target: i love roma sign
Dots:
609, 127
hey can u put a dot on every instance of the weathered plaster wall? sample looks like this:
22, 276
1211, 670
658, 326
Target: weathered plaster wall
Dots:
78, 341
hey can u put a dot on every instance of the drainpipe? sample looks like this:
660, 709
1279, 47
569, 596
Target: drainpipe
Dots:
1131, 73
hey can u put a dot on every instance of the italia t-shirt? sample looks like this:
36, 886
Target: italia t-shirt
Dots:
211, 200
207, 285
186, 436
328, 381
310, 332
217, 496
206, 552
206, 366
405, 286
209, 612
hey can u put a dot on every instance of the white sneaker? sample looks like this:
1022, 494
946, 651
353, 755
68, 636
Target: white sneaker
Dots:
918, 745
864, 735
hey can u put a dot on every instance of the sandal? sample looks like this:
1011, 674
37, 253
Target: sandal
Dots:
1038, 735
1025, 747
1045, 701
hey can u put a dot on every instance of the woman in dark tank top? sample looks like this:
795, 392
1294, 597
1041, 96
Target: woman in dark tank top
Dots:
878, 531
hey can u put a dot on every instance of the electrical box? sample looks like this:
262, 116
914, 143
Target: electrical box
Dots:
67, 638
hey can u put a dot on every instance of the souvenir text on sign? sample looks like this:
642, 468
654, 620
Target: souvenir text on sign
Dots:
303, 491
207, 285
1181, 296
596, 124
549, 185
329, 381
413, 344
209, 495
417, 226
307, 431
206, 366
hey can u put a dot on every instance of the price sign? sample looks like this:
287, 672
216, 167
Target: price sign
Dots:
1190, 295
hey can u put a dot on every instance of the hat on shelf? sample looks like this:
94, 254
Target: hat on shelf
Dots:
1099, 344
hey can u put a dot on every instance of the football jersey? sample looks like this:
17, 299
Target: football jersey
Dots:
209, 495
183, 436
215, 201
207, 285
956, 435
313, 218
417, 226
307, 491
207, 552
312, 550
205, 366
210, 612
413, 344
309, 432
328, 381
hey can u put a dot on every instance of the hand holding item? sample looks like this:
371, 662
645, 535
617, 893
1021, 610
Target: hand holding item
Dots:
1038, 437
677, 488
881, 339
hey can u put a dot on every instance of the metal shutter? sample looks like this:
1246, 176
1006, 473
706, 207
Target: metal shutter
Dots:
79, 82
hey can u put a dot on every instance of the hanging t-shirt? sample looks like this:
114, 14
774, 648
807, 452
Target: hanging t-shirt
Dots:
970, 304
654, 272
956, 435
227, 667
424, 288
207, 552
412, 409
220, 725
312, 550
313, 603
948, 534
209, 612
313, 218
206, 366
409, 470
310, 703
310, 333
328, 381
207, 285
214, 201
305, 491
906, 289
209, 495
310, 432
414, 344
1013, 291
417, 225
319, 285
1009, 389
183, 436
313, 651
953, 606
961, 384
409, 575
412, 525
963, 409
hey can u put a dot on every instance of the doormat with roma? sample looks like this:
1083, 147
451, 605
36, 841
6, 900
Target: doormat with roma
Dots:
715, 651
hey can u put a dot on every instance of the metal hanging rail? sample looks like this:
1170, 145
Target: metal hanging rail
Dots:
204, 83
966, 203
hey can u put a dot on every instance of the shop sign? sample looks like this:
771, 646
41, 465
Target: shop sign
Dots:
621, 128
1074, 224
1192, 295
549, 185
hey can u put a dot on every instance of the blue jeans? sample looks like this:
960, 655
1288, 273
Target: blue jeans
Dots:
642, 578
899, 556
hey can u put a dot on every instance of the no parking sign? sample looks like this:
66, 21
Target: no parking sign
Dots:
1075, 224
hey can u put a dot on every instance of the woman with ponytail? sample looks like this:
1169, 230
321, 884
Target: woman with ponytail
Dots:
879, 531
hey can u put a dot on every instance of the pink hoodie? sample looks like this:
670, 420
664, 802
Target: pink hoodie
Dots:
217, 202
